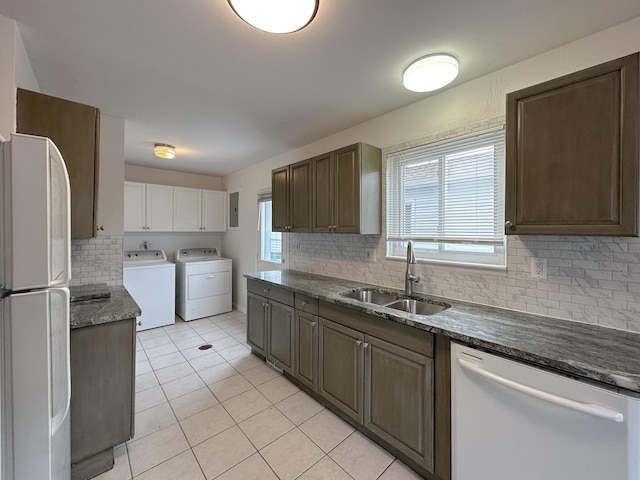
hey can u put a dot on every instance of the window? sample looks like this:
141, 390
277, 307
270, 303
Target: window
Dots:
269, 243
448, 198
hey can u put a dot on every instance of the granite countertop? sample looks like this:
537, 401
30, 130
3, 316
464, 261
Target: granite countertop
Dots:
99, 308
591, 352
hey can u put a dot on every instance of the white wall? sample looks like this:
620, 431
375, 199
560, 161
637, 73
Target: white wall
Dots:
135, 173
7, 77
471, 103
25, 76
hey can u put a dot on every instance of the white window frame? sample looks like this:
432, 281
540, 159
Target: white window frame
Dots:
434, 242
264, 196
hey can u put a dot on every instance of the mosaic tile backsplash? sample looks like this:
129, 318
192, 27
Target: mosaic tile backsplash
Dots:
589, 279
97, 260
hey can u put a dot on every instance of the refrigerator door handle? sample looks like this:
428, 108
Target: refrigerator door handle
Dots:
588, 408
61, 296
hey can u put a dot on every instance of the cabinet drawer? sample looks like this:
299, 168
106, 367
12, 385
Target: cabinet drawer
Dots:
306, 304
411, 338
269, 291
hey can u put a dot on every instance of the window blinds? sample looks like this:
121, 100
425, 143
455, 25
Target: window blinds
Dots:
450, 192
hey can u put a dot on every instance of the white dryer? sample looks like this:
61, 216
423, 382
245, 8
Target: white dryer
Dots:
203, 283
151, 280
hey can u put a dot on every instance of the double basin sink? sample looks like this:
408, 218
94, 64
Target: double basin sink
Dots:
396, 302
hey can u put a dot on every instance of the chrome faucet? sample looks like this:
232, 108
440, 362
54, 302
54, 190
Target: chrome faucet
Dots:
409, 277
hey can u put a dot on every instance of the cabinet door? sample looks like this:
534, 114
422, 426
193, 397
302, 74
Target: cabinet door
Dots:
75, 129
322, 204
214, 211
300, 196
159, 208
341, 362
135, 205
306, 349
347, 190
102, 387
280, 199
399, 398
280, 332
187, 209
572, 153
256, 323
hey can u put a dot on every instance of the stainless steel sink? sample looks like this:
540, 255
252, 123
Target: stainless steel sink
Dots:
371, 296
419, 307
395, 301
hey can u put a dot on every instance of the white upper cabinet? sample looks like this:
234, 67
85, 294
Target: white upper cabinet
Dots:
197, 210
148, 207
214, 209
187, 209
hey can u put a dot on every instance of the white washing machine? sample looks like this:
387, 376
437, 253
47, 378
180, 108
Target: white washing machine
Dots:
203, 283
151, 280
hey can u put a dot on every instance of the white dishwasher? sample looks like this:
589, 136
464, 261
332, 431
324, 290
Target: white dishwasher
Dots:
511, 421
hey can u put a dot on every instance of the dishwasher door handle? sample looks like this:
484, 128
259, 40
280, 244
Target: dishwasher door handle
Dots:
588, 408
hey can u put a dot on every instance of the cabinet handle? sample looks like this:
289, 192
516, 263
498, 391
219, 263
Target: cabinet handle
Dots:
210, 276
358, 343
265, 290
334, 227
140, 323
365, 345
100, 228
509, 224
313, 324
304, 302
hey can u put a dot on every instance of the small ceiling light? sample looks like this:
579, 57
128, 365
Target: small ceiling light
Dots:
276, 16
164, 150
430, 73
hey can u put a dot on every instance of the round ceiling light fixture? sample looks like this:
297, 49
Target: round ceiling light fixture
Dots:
164, 150
276, 16
430, 73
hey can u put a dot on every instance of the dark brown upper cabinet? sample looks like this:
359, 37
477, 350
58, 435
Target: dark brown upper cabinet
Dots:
291, 197
572, 153
346, 190
75, 129
336, 192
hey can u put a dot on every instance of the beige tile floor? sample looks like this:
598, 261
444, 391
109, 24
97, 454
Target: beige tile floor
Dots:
222, 413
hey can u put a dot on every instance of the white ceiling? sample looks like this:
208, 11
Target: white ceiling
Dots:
192, 74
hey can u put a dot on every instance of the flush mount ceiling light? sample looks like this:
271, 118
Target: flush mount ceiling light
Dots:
430, 73
164, 150
276, 16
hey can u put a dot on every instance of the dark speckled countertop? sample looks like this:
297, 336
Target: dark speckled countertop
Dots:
118, 305
588, 351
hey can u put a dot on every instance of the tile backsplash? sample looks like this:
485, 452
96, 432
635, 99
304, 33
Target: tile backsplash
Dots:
589, 279
97, 260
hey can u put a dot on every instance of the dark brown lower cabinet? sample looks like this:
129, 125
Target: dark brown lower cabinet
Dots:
280, 332
102, 394
389, 380
271, 330
399, 398
341, 365
306, 348
257, 323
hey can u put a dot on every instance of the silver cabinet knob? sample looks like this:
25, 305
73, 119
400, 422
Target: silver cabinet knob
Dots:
140, 323
509, 224
365, 345
358, 342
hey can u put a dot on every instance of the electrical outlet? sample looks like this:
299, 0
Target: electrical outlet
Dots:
370, 254
539, 268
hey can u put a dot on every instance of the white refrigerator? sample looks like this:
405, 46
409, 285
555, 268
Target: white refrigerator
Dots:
35, 269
